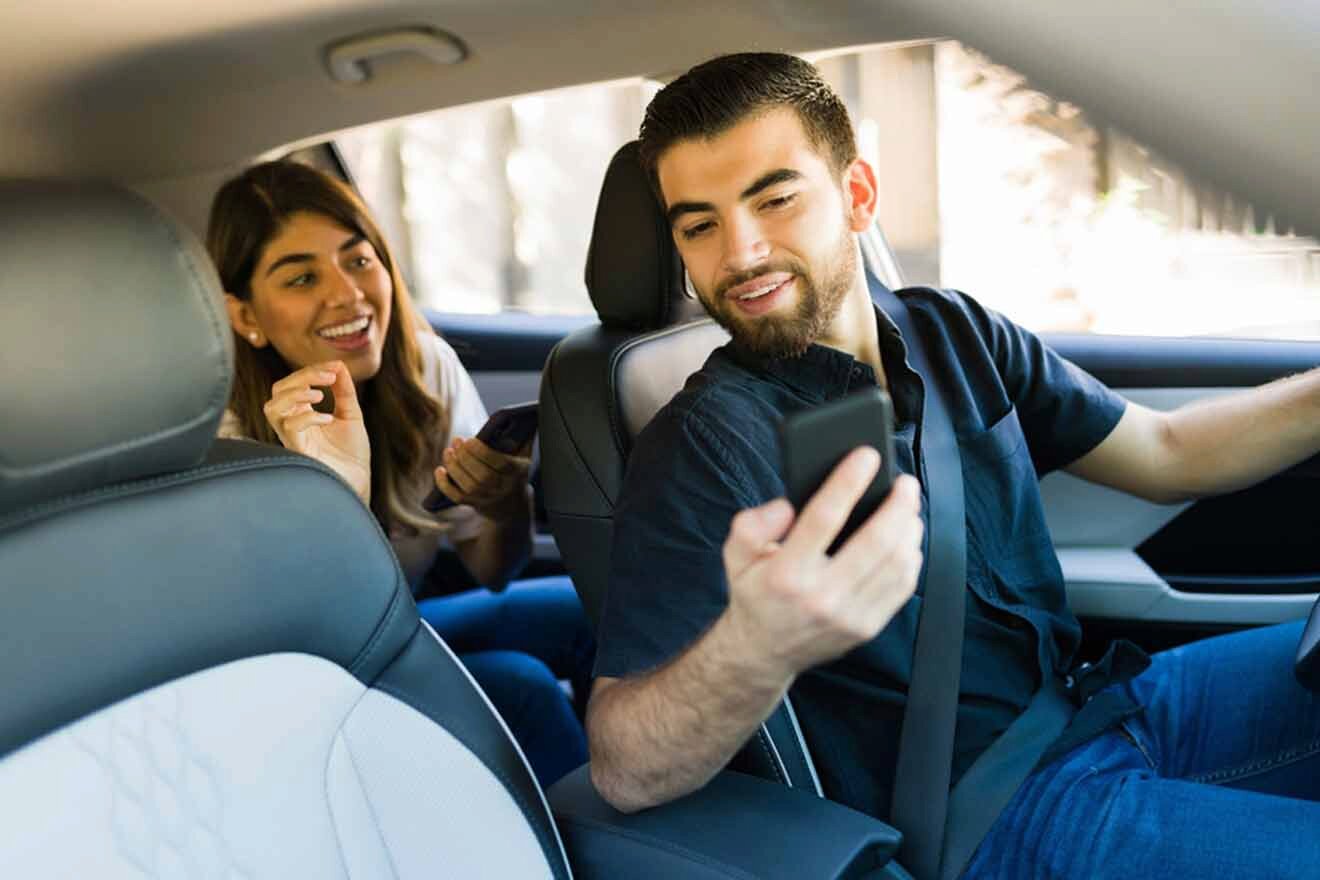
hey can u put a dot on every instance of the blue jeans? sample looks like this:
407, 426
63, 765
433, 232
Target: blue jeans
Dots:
1218, 778
518, 644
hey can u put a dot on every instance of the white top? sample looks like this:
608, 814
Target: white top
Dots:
416, 535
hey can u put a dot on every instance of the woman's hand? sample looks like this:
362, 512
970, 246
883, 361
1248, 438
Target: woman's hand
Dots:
494, 483
337, 440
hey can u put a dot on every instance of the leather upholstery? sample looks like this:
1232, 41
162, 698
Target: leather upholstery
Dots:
116, 361
634, 275
151, 557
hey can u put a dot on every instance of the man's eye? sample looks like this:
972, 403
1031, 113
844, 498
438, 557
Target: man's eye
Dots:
698, 230
780, 201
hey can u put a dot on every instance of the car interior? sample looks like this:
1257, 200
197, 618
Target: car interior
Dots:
176, 704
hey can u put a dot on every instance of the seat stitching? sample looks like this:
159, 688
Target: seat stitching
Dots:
325, 775
762, 738
381, 628
371, 808
127, 489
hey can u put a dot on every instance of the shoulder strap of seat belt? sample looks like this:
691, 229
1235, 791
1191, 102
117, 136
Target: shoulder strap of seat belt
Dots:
925, 748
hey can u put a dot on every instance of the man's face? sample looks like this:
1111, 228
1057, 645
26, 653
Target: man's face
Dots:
761, 223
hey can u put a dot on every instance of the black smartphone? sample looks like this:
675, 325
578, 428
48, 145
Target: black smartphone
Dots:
507, 431
813, 441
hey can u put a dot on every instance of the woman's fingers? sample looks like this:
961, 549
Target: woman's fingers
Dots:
480, 476
495, 461
293, 401
297, 424
346, 401
462, 461
447, 486
458, 475
315, 375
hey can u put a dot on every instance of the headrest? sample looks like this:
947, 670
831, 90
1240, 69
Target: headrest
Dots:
634, 275
117, 358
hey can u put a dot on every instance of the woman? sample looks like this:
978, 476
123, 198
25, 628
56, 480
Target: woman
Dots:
333, 361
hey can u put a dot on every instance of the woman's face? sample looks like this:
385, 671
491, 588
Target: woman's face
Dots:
320, 293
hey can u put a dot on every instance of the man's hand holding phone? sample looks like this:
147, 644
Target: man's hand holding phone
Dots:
337, 439
793, 602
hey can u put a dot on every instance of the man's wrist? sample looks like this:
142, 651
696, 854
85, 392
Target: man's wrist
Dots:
758, 667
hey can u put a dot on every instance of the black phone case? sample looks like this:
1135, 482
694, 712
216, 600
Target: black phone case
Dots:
507, 430
812, 442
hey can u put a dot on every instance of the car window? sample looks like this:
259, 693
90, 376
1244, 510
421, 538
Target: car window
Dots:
1059, 221
986, 184
490, 205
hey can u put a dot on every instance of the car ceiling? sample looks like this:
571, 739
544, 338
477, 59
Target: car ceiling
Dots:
157, 89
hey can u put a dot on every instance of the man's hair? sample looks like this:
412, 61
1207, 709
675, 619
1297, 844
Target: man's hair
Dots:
713, 97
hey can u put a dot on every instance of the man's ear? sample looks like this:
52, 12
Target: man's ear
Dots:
244, 321
860, 194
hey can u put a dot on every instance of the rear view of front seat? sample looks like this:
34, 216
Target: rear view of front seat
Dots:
212, 666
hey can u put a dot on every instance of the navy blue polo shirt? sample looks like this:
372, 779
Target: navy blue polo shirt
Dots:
1019, 410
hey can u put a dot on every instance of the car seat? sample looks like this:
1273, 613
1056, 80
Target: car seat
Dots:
212, 665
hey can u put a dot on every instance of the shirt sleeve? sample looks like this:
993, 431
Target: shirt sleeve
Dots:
1065, 412
685, 481
467, 414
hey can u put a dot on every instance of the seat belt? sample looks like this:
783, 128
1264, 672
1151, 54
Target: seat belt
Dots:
995, 776
919, 804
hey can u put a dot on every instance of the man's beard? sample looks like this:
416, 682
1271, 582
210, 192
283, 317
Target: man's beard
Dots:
789, 335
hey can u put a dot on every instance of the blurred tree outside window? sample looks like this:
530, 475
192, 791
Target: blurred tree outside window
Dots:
490, 205
986, 184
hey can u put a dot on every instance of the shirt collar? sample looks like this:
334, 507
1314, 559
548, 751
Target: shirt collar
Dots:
823, 373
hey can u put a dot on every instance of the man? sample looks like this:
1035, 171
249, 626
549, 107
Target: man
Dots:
722, 598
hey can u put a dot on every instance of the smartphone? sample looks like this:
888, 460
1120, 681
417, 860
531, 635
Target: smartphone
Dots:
813, 441
507, 431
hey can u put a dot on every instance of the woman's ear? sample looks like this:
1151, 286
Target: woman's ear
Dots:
244, 321
862, 195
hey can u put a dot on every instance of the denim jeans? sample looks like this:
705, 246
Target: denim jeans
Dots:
518, 644
1217, 778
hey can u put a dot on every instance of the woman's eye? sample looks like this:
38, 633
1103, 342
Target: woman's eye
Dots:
360, 262
301, 280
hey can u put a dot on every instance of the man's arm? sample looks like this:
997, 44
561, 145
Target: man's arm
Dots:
662, 734
1209, 447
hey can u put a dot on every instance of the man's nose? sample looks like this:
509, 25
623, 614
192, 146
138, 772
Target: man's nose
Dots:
745, 245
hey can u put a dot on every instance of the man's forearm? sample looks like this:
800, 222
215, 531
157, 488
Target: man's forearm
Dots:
666, 733
1231, 443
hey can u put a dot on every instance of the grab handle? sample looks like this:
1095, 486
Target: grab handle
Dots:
351, 60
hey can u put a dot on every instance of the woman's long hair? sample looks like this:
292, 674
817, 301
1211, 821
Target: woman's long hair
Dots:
404, 422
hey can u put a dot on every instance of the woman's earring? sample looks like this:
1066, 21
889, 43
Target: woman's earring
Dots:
253, 337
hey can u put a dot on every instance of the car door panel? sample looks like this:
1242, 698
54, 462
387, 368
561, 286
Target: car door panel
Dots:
1245, 558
